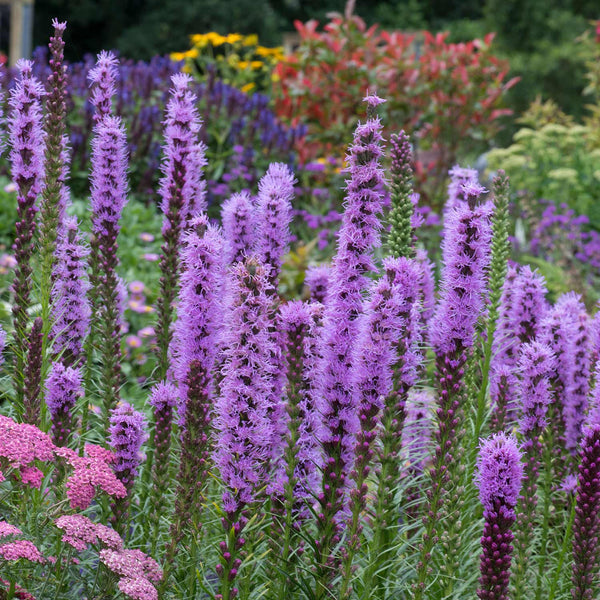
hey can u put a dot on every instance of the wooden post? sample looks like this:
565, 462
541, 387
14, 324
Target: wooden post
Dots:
21, 30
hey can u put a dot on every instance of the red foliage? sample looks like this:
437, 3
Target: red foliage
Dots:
447, 96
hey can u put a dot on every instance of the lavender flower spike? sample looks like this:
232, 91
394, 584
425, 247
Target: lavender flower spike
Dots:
127, 434
499, 479
71, 308
102, 78
238, 217
273, 217
27, 169
536, 364
358, 236
245, 432
63, 390
182, 196
586, 526
108, 197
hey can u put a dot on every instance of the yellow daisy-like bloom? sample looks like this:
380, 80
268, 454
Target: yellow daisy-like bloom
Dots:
216, 39
177, 56
243, 64
251, 40
232, 38
248, 87
198, 38
257, 64
192, 53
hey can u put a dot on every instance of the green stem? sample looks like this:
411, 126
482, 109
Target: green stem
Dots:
563, 552
545, 521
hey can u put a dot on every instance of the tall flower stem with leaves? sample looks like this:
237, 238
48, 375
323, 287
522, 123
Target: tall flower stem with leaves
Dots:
358, 236
27, 168
497, 274
408, 356
382, 327
54, 191
466, 249
536, 363
108, 197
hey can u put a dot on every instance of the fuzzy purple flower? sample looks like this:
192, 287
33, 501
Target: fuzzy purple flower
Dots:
127, 434
63, 390
586, 526
566, 329
198, 308
317, 279
71, 308
499, 477
358, 236
108, 198
427, 284
273, 217
536, 365
182, 196
102, 78
459, 177
239, 219
466, 253
27, 169
245, 432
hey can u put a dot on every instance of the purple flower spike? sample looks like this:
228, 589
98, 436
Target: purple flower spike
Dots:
273, 217
239, 219
317, 279
459, 176
102, 79
499, 480
245, 431
71, 308
566, 329
586, 526
182, 193
127, 434
27, 143
536, 364
63, 390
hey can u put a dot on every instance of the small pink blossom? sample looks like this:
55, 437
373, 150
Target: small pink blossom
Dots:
32, 476
7, 529
21, 549
151, 256
146, 237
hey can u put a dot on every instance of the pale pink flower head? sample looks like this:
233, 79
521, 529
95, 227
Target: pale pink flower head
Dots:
13, 551
7, 529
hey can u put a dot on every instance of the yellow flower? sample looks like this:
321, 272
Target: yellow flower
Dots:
177, 56
198, 38
248, 87
215, 39
243, 64
232, 38
186, 69
251, 40
275, 77
256, 64
193, 53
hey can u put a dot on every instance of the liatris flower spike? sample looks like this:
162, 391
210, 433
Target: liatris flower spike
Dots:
499, 477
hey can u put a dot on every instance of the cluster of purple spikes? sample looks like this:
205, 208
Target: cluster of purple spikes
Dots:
302, 403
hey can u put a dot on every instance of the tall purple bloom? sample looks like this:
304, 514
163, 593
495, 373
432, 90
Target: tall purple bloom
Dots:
71, 308
379, 364
54, 192
245, 431
182, 195
427, 284
536, 364
103, 81
239, 224
195, 343
317, 279
566, 331
466, 253
522, 308
108, 197
63, 390
358, 236
586, 526
127, 434
27, 168
499, 480
273, 217
459, 177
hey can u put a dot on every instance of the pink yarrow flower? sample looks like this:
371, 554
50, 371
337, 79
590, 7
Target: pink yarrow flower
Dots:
21, 549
